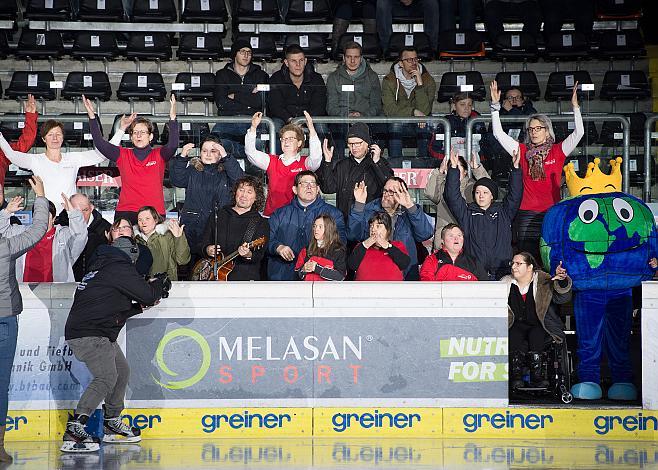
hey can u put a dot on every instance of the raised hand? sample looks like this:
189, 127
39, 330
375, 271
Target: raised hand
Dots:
37, 186
516, 159
172, 107
309, 123
376, 152
361, 192
66, 202
15, 204
31, 104
327, 151
403, 197
653, 262
560, 273
495, 92
89, 106
574, 96
175, 228
186, 149
443, 168
255, 121
454, 158
126, 121
474, 163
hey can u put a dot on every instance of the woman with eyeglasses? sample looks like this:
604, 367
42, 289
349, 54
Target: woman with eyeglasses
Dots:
123, 228
324, 258
542, 160
377, 258
532, 317
281, 169
142, 168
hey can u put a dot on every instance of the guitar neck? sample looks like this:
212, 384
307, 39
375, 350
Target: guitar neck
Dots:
228, 259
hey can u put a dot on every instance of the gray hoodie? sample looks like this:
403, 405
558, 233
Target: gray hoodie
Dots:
366, 97
11, 248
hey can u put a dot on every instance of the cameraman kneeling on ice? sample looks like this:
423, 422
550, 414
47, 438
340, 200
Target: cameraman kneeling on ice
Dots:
110, 293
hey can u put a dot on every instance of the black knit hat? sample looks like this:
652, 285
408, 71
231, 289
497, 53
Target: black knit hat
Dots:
359, 130
240, 44
128, 246
487, 183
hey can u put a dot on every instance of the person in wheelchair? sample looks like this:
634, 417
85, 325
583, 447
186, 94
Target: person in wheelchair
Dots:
533, 321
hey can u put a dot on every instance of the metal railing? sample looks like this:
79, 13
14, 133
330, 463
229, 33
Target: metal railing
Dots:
626, 131
648, 166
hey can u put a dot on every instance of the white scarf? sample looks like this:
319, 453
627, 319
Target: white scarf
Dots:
407, 83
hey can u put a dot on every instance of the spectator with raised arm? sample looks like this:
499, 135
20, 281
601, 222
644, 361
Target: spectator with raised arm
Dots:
281, 169
142, 168
409, 223
26, 140
542, 160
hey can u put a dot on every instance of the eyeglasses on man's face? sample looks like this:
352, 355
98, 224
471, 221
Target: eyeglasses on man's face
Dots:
411, 60
307, 184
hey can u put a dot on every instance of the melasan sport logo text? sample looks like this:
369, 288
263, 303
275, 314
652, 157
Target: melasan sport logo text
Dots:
205, 358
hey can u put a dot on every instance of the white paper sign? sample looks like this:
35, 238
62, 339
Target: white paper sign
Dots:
253, 41
569, 81
41, 39
195, 81
567, 40
142, 81
57, 84
264, 137
303, 40
632, 165
148, 41
459, 144
200, 42
100, 4
439, 137
587, 87
87, 136
205, 5
48, 3
308, 6
21, 124
87, 81
77, 125
466, 88
153, 4
461, 80
516, 40
618, 136
408, 39
625, 79
576, 165
619, 2
263, 87
358, 40
571, 125
95, 41
177, 86
347, 87
406, 163
32, 79
258, 5
186, 126
514, 133
515, 79
621, 40
460, 39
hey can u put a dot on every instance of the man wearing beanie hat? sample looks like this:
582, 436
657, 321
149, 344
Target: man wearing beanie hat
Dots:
487, 224
364, 164
236, 94
110, 293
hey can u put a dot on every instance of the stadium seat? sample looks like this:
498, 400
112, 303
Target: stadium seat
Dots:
263, 46
37, 44
569, 45
460, 44
36, 83
200, 46
308, 12
107, 10
560, 85
525, 80
314, 44
8, 10
159, 11
625, 85
94, 85
610, 128
47, 10
149, 46
515, 46
420, 41
95, 46
259, 11
619, 9
451, 83
563, 129
188, 132
12, 130
77, 132
369, 44
4, 45
140, 86
204, 11
625, 44
198, 86
125, 141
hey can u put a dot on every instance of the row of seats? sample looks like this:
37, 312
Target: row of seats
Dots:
36, 44
146, 86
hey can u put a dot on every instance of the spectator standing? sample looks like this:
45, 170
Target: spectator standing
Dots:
11, 302
324, 258
97, 230
26, 140
365, 163
208, 181
236, 94
167, 243
410, 8
291, 226
365, 99
377, 258
408, 91
467, 10
542, 160
436, 183
487, 224
343, 15
281, 169
557, 12
450, 262
409, 223
496, 11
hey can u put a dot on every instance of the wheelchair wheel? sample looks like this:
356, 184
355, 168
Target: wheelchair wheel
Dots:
567, 398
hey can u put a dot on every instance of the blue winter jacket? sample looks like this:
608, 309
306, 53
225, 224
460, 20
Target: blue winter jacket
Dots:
412, 226
291, 225
203, 190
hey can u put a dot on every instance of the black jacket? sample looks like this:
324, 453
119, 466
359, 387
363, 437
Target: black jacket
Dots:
96, 231
230, 235
245, 102
341, 177
111, 292
287, 101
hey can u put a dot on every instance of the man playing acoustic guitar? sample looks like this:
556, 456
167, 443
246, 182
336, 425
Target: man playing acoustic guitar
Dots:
239, 227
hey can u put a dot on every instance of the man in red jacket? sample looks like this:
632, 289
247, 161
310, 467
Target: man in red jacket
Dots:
26, 140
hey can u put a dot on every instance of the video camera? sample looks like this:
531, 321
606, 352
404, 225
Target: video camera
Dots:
166, 283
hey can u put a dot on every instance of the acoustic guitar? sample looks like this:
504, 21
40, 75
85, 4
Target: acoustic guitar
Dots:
211, 269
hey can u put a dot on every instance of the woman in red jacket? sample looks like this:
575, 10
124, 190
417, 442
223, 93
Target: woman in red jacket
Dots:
26, 140
324, 259
450, 263
376, 258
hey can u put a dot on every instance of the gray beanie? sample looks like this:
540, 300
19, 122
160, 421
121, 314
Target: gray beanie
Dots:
128, 246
